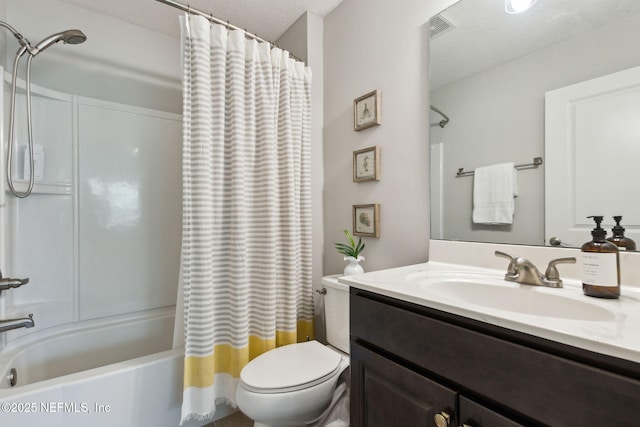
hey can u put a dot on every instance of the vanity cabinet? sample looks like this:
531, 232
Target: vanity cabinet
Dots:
416, 366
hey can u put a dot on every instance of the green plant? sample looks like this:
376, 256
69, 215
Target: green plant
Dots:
353, 249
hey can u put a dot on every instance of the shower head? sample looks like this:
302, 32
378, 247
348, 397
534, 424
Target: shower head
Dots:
74, 37
69, 37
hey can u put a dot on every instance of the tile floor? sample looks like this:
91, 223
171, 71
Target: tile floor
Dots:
235, 420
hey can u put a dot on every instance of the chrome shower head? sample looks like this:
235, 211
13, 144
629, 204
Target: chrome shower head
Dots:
69, 37
74, 37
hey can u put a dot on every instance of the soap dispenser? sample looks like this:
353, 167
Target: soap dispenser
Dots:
618, 239
600, 265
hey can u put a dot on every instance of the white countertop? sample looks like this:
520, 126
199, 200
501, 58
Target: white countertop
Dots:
616, 333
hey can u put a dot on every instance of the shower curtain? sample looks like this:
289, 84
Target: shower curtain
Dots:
246, 247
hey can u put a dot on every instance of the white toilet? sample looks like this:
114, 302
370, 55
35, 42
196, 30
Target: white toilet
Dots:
294, 385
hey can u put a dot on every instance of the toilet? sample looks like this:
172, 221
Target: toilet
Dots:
298, 384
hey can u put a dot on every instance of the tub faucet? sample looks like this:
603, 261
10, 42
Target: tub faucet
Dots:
521, 270
9, 324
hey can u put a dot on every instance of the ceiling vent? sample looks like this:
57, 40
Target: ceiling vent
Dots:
438, 25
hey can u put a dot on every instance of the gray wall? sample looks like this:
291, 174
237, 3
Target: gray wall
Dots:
378, 44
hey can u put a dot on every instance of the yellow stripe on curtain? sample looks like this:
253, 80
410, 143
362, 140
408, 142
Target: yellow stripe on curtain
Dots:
200, 371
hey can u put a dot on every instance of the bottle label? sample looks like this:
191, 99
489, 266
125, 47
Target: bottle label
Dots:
600, 269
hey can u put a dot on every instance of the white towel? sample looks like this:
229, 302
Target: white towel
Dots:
494, 188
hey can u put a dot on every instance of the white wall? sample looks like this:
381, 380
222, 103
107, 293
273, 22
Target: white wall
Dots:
4, 34
378, 44
498, 116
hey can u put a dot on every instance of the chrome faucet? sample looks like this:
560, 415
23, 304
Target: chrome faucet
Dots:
9, 324
521, 270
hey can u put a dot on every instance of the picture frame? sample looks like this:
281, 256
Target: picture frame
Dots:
366, 164
366, 111
366, 220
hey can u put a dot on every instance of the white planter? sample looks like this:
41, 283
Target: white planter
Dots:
354, 266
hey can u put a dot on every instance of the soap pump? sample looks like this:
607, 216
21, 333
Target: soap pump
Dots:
600, 265
623, 243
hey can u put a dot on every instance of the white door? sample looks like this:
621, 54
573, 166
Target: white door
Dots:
592, 150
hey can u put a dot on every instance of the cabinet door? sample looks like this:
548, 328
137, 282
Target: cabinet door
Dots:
473, 414
385, 394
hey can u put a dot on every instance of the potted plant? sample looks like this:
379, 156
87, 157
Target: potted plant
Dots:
351, 253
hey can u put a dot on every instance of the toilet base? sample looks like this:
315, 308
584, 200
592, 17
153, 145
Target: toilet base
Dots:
340, 402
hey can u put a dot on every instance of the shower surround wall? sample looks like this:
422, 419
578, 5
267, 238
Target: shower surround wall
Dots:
100, 236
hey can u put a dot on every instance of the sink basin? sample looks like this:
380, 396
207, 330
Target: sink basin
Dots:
523, 299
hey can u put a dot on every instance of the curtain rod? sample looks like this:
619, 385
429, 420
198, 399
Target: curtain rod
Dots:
211, 18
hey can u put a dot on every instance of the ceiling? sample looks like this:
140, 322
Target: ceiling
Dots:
268, 19
485, 36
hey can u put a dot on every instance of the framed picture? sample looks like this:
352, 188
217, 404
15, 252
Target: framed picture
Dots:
366, 164
366, 220
366, 111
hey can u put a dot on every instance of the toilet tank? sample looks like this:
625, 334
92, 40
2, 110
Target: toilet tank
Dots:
336, 312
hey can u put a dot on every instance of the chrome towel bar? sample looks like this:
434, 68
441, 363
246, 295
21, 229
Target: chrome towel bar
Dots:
537, 161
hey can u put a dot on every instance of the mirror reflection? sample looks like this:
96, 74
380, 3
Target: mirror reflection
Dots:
501, 79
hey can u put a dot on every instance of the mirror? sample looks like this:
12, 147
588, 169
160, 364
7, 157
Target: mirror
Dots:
491, 74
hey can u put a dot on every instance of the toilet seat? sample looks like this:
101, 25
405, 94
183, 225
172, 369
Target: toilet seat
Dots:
290, 368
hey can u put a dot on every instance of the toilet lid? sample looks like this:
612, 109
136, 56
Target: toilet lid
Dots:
290, 367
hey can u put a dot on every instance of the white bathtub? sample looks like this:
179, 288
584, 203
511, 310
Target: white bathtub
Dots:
101, 373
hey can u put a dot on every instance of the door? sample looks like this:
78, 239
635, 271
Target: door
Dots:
384, 394
591, 153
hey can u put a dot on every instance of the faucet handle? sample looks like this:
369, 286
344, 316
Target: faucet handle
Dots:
511, 269
551, 276
552, 271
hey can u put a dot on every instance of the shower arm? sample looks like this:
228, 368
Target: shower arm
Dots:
442, 123
15, 33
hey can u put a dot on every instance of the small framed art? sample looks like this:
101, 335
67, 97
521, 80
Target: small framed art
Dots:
366, 164
366, 111
366, 220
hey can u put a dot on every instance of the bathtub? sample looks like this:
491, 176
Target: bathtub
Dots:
114, 372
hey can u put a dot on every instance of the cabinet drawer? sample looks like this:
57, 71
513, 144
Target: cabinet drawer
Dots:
530, 383
473, 414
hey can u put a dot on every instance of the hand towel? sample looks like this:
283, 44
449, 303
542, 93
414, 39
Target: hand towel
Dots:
494, 189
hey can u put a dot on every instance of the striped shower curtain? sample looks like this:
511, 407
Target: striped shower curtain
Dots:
246, 248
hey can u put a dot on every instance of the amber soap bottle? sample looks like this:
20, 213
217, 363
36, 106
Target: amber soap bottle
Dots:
600, 265
623, 243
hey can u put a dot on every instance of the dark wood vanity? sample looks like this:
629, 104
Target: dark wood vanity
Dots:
412, 365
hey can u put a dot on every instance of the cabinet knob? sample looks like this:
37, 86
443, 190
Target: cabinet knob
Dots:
442, 419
